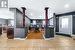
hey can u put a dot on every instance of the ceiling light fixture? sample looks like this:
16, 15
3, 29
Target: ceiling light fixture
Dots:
66, 5
31, 14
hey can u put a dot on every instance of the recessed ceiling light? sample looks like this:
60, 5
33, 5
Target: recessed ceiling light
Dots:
30, 0
66, 5
31, 14
40, 16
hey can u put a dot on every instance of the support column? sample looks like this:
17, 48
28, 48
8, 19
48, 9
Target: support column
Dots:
26, 29
49, 31
46, 16
54, 23
46, 22
23, 8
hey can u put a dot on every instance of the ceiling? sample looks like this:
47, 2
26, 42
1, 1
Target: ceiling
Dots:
35, 8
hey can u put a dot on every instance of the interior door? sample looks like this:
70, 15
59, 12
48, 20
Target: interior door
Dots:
65, 24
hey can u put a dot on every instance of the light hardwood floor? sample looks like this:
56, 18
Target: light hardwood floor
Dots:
58, 43
35, 35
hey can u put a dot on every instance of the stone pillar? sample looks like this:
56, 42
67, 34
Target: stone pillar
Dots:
23, 9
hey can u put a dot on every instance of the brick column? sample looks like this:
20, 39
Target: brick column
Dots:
23, 9
46, 15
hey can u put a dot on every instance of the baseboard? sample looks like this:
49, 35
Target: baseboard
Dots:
63, 34
73, 37
20, 38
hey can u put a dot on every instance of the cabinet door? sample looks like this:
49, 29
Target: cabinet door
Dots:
0, 30
10, 33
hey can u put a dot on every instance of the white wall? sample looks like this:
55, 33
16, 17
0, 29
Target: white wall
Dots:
65, 29
10, 22
2, 21
6, 14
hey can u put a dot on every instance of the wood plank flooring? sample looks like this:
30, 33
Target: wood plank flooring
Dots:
35, 35
57, 43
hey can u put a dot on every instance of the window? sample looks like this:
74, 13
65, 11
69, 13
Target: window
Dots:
12, 22
44, 22
51, 21
31, 21
34, 22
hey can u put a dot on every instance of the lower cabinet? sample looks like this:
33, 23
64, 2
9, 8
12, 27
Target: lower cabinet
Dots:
49, 32
0, 30
10, 33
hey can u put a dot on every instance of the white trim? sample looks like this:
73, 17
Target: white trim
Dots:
57, 32
20, 38
71, 25
54, 32
73, 36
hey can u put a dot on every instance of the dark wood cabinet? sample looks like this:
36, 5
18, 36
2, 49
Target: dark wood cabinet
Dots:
0, 30
10, 33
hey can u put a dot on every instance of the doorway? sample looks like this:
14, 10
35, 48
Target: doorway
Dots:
35, 33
